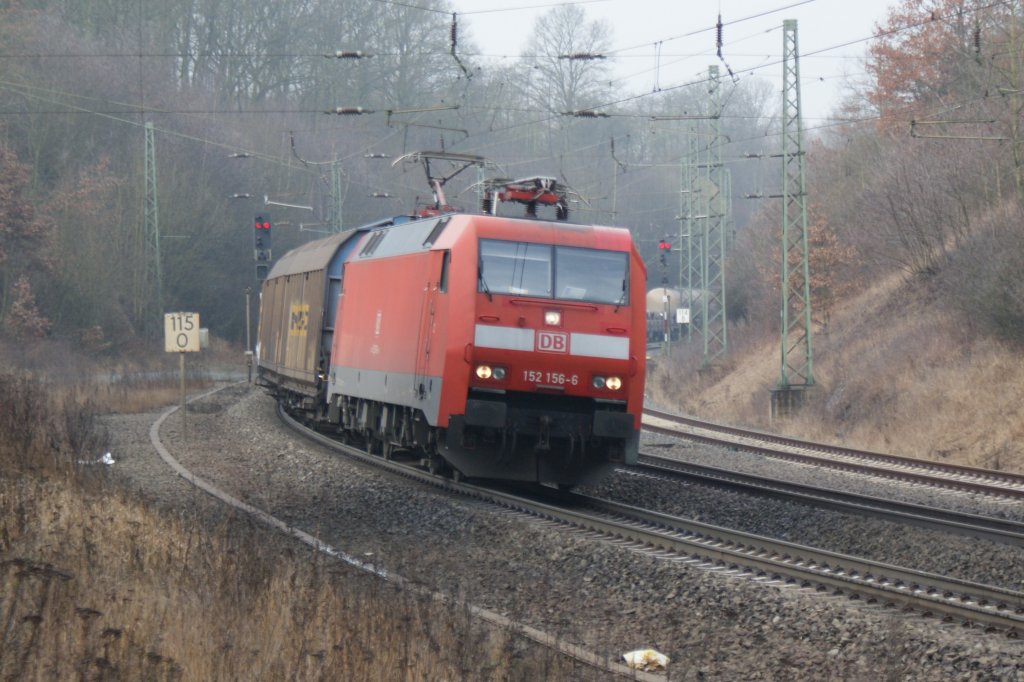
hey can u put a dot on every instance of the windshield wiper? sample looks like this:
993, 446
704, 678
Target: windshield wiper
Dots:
483, 282
622, 299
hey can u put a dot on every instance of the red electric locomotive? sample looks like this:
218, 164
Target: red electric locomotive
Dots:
494, 347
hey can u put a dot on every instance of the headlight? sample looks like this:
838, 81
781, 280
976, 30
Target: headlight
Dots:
552, 318
488, 372
611, 383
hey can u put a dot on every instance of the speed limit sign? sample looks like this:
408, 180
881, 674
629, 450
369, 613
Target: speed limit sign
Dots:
181, 332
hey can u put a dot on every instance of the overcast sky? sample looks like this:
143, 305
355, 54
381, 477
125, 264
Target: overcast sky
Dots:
832, 37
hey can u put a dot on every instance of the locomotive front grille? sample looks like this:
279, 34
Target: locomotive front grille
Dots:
557, 415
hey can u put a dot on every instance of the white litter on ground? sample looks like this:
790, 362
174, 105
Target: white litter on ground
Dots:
647, 660
107, 459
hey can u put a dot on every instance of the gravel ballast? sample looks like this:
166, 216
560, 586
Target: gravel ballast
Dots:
608, 599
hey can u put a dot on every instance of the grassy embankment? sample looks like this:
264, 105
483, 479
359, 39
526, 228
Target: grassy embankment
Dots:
897, 372
96, 584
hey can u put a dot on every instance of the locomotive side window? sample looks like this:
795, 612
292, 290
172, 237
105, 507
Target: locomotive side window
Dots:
442, 284
591, 275
518, 268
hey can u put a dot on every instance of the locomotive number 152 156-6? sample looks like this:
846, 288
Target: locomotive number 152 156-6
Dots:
551, 378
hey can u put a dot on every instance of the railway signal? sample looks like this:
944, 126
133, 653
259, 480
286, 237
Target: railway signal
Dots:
664, 248
261, 238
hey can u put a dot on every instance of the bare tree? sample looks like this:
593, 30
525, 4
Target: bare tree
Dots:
25, 240
920, 203
567, 55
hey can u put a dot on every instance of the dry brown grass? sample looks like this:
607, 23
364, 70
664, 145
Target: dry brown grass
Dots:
897, 372
97, 585
133, 395
139, 381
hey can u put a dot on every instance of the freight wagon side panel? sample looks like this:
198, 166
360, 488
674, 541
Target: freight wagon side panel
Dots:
296, 312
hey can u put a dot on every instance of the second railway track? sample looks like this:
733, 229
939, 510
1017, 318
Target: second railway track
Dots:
949, 521
995, 484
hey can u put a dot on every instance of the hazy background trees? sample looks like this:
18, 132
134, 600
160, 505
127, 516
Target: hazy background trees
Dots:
238, 91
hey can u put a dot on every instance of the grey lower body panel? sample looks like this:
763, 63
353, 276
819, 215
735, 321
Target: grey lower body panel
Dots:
395, 388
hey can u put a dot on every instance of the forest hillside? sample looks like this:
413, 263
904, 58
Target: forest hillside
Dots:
139, 140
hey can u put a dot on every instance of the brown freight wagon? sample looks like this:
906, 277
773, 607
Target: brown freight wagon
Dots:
298, 304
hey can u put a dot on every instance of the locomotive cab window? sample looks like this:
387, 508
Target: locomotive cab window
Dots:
590, 275
545, 271
518, 268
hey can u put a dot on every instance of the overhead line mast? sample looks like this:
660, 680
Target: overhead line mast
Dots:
149, 296
713, 201
796, 375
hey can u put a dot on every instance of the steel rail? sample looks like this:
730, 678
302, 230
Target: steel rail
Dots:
1004, 531
953, 600
554, 643
422, 476
934, 474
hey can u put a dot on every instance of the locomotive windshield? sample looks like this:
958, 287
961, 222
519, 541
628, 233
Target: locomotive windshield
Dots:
562, 272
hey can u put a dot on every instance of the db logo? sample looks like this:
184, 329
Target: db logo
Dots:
552, 342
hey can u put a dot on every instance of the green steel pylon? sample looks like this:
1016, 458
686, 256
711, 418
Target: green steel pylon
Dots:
690, 237
714, 238
797, 359
337, 200
150, 295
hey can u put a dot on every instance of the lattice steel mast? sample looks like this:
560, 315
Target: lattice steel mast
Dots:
690, 268
337, 198
150, 295
713, 246
797, 358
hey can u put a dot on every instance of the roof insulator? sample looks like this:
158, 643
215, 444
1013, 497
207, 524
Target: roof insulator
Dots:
582, 56
349, 54
349, 111
586, 113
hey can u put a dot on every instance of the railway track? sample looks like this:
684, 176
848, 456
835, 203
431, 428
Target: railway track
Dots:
736, 553
765, 559
994, 484
972, 525
602, 663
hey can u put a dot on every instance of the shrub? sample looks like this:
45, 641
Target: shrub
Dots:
983, 280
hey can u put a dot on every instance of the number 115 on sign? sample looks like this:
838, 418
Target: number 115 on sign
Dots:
181, 332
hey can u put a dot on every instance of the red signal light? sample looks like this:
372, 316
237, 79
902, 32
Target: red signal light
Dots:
261, 237
665, 245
